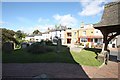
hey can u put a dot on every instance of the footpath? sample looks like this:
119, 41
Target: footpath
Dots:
59, 70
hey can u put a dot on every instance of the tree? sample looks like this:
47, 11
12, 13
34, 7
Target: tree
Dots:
8, 35
36, 32
20, 34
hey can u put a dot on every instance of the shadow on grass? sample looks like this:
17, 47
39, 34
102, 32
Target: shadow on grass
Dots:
21, 56
95, 50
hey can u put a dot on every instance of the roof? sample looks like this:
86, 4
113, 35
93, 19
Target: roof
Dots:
62, 28
32, 35
110, 16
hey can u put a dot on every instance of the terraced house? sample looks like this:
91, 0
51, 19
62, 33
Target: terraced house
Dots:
71, 36
89, 36
85, 36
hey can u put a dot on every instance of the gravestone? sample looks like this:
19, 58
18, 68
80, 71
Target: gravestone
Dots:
55, 40
59, 43
43, 43
8, 47
24, 45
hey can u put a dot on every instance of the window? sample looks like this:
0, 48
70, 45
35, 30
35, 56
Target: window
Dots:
36, 39
69, 34
83, 39
84, 32
69, 28
96, 40
110, 42
91, 40
60, 35
68, 41
74, 33
51, 37
31, 39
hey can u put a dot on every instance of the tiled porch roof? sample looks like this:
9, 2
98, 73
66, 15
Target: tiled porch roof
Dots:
111, 15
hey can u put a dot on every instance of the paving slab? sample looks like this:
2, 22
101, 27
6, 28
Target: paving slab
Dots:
53, 70
106, 71
60, 70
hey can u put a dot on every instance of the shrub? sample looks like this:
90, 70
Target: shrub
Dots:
18, 46
92, 46
48, 42
87, 45
49, 48
81, 44
38, 48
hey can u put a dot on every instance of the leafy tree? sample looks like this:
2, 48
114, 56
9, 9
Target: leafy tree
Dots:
8, 35
20, 34
57, 27
36, 32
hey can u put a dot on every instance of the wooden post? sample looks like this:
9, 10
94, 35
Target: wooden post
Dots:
104, 53
105, 41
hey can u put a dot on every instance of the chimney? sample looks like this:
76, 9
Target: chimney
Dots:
82, 24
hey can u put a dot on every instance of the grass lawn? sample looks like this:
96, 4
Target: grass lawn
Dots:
85, 57
22, 56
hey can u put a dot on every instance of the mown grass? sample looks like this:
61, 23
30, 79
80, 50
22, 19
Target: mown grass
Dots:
85, 57
22, 56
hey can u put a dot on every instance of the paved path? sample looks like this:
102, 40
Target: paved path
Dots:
76, 49
60, 70
52, 70
106, 71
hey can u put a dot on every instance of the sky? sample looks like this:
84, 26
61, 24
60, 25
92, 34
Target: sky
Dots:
29, 16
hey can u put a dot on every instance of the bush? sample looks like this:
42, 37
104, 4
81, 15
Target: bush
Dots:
87, 45
81, 44
38, 48
49, 43
18, 46
92, 46
49, 48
